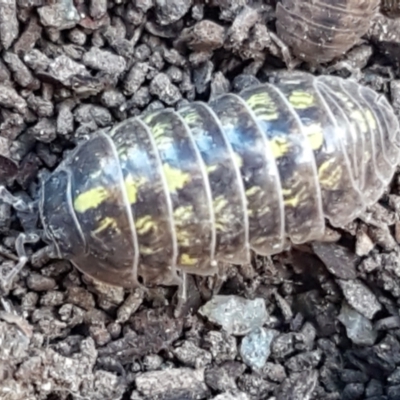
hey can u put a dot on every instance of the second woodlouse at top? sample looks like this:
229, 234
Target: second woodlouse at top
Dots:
318, 31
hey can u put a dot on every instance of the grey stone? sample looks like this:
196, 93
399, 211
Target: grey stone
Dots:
359, 328
236, 314
255, 347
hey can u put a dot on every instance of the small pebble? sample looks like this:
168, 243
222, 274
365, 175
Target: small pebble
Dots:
9, 26
168, 12
40, 283
162, 87
81, 297
340, 261
360, 297
135, 78
44, 131
359, 328
191, 355
152, 362
187, 382
222, 346
130, 306
63, 69
103, 60
60, 15
236, 314
232, 396
255, 347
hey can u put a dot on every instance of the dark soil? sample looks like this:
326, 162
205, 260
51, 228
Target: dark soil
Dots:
69, 68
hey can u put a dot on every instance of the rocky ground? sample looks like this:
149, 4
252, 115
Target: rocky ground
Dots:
320, 322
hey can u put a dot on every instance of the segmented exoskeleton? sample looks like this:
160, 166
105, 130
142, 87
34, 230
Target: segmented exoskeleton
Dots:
318, 31
391, 8
178, 191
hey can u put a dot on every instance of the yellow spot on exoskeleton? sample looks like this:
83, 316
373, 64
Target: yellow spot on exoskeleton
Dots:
106, 223
182, 217
145, 250
238, 160
186, 259
263, 106
358, 117
90, 199
329, 174
221, 219
301, 100
252, 191
211, 168
315, 135
132, 187
219, 203
292, 198
159, 129
371, 119
279, 146
176, 178
191, 117
183, 213
144, 225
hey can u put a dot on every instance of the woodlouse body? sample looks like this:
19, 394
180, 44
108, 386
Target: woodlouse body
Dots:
181, 190
318, 31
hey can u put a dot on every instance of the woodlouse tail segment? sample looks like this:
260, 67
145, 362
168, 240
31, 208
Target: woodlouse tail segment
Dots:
391, 120
339, 195
350, 101
373, 161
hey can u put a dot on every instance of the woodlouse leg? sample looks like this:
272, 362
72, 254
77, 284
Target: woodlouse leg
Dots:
15, 202
10, 315
355, 72
290, 62
20, 242
181, 296
23, 238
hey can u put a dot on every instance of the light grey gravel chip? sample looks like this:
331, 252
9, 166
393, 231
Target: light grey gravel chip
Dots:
103, 60
177, 383
191, 355
236, 315
63, 69
162, 87
9, 26
170, 11
9, 98
60, 15
359, 328
232, 396
360, 297
339, 260
256, 347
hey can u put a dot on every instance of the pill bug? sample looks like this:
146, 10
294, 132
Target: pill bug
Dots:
177, 191
390, 8
318, 31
